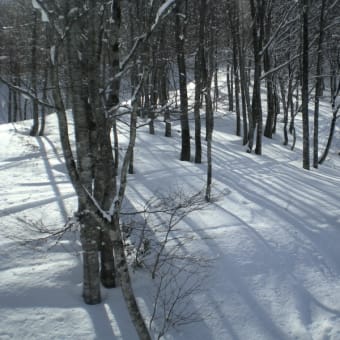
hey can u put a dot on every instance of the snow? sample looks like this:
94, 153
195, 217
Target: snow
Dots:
73, 11
52, 52
44, 15
272, 237
161, 11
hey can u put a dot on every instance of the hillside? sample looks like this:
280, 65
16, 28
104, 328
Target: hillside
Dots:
270, 238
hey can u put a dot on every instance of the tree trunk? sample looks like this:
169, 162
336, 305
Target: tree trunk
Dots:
209, 117
180, 12
305, 65
237, 86
197, 105
91, 282
318, 88
9, 106
285, 111
44, 97
330, 136
127, 290
268, 131
122, 266
85, 135
35, 127
246, 109
256, 111
230, 89
293, 109
199, 82
216, 89
163, 76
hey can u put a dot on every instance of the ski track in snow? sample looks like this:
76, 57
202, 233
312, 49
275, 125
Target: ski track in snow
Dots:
272, 232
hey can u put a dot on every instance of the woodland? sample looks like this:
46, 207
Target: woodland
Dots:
101, 65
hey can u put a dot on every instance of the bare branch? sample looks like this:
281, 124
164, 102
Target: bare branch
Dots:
27, 93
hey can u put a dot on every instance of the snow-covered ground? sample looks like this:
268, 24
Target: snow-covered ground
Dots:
271, 235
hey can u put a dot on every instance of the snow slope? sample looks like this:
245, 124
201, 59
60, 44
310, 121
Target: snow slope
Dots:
272, 234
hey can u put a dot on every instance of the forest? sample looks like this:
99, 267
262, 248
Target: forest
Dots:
216, 81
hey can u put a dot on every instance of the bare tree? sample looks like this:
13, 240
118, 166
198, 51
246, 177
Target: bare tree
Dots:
305, 76
318, 86
180, 34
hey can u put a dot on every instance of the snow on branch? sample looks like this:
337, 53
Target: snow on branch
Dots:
162, 12
280, 26
44, 15
27, 93
279, 67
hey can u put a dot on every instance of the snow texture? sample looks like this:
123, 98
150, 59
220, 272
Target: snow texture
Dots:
273, 232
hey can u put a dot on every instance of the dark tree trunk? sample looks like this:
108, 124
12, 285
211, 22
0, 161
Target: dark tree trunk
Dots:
230, 89
237, 83
9, 106
44, 97
216, 88
197, 105
163, 84
318, 88
268, 131
336, 109
180, 12
199, 81
246, 108
25, 109
330, 136
255, 121
15, 107
285, 111
276, 107
293, 110
34, 75
305, 96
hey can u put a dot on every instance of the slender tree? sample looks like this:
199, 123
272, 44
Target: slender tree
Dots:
318, 87
199, 83
180, 34
305, 94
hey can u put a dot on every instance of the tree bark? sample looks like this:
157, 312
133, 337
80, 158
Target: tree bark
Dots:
246, 108
255, 121
305, 96
199, 82
318, 88
237, 85
197, 106
34, 73
268, 131
180, 12
330, 136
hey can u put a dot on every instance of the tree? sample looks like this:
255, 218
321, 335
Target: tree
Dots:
318, 87
270, 80
255, 118
34, 43
78, 37
335, 116
199, 83
305, 76
180, 34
